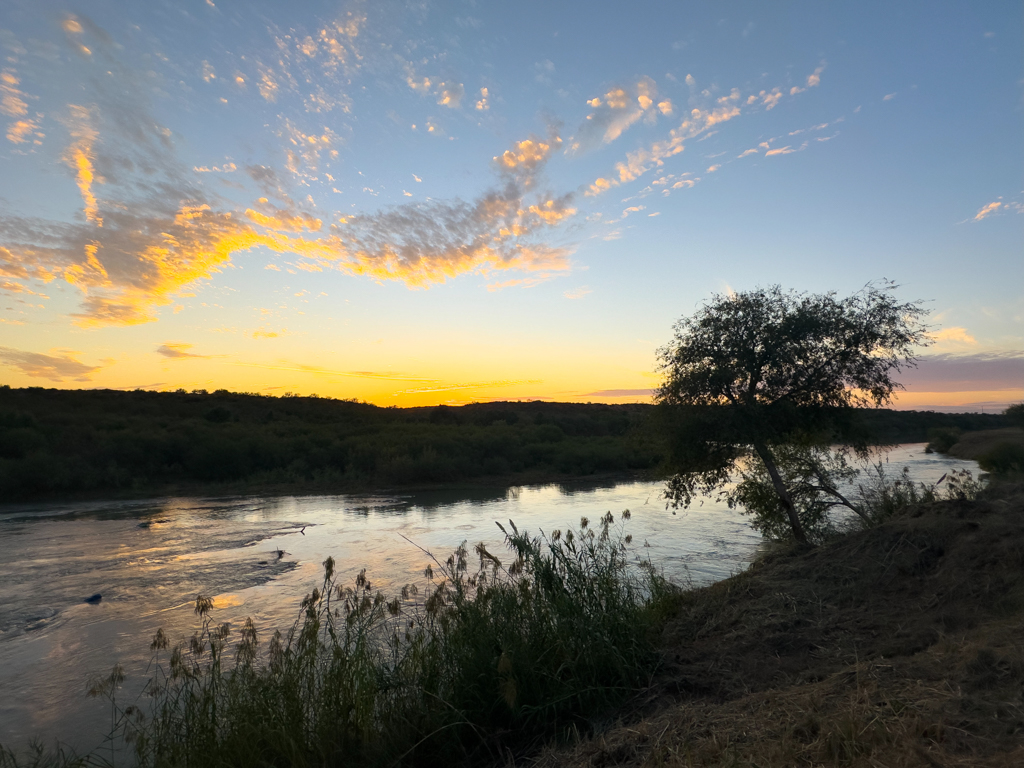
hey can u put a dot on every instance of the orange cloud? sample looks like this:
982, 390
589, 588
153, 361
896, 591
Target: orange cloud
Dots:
284, 221
80, 156
527, 154
620, 108
12, 100
643, 160
987, 210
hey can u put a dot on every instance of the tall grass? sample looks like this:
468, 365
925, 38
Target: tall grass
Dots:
490, 658
882, 496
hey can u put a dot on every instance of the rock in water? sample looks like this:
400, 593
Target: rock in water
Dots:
94, 599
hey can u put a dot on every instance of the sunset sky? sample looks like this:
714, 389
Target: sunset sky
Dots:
446, 202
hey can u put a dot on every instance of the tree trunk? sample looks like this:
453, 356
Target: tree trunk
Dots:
780, 488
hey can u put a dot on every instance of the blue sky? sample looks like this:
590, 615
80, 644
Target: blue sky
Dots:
446, 202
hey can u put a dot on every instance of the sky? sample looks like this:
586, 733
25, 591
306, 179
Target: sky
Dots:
450, 202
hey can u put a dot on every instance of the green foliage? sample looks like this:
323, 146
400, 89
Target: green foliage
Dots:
492, 658
813, 476
941, 439
755, 372
1004, 460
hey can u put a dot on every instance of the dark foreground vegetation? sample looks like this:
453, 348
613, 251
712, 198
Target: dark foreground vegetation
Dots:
74, 443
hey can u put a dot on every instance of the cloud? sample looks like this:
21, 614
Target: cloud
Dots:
527, 156
177, 351
962, 373
615, 112
954, 334
12, 100
80, 157
643, 160
22, 128
987, 210
814, 78
482, 104
283, 220
780, 151
317, 370
747, 153
54, 368
713, 168
889, 96
304, 150
447, 93
578, 293
149, 227
621, 393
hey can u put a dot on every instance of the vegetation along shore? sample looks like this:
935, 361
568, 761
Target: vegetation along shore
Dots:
66, 444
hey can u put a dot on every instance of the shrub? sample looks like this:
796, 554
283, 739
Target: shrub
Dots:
941, 439
883, 497
1004, 459
491, 659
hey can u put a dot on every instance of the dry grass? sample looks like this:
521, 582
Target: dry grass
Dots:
972, 445
898, 646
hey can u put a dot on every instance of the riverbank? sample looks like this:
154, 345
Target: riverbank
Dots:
895, 646
974, 445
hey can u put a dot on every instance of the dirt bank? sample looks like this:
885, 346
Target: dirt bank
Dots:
898, 646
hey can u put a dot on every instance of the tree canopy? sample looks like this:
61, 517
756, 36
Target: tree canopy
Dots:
752, 372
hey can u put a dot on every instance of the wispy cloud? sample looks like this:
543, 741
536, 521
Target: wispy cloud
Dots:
447, 93
620, 393
317, 370
615, 111
987, 210
699, 121
53, 367
179, 351
14, 103
954, 334
578, 293
961, 373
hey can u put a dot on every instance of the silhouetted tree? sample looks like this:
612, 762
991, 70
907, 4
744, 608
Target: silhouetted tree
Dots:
1015, 414
763, 382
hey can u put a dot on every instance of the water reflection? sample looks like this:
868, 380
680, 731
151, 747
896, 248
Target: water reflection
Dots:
149, 560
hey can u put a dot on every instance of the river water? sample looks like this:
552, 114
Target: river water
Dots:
149, 559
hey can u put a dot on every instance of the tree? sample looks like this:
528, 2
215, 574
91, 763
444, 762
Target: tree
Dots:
1015, 414
762, 383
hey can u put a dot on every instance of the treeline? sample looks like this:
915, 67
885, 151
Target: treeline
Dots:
62, 443
71, 442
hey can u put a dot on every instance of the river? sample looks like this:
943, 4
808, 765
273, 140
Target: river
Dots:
149, 559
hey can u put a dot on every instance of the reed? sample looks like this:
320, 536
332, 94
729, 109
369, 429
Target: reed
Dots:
488, 660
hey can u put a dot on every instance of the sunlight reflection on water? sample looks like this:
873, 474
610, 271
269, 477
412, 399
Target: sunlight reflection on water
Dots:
149, 559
